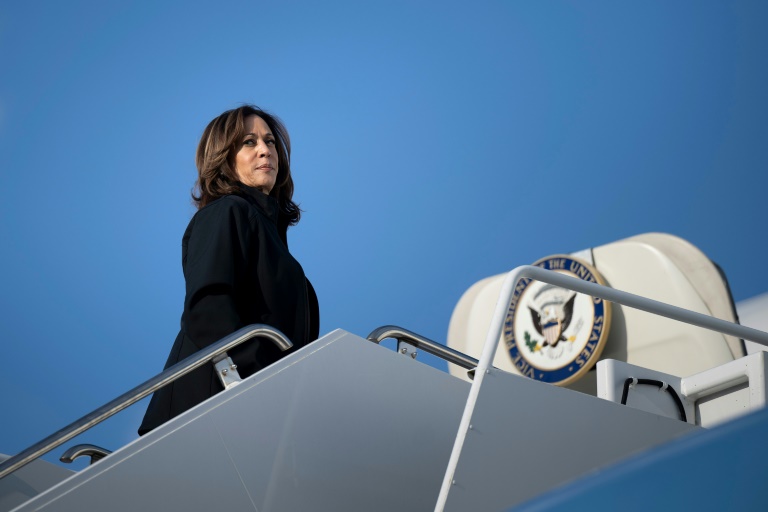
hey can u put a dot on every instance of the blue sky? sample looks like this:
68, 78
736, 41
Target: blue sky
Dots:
435, 143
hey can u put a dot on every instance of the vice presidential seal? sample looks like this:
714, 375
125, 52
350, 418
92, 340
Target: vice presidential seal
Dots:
553, 334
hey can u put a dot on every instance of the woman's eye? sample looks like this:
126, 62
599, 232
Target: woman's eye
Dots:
249, 142
271, 141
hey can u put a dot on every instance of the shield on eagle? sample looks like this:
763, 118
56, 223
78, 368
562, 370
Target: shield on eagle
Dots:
552, 331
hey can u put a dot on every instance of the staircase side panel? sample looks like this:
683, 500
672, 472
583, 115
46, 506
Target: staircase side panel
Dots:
29, 481
527, 437
342, 424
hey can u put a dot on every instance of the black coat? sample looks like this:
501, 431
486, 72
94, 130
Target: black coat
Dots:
238, 271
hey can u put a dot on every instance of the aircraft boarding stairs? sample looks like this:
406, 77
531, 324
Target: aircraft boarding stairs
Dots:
345, 424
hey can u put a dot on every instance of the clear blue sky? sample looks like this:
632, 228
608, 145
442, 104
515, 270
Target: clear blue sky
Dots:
435, 143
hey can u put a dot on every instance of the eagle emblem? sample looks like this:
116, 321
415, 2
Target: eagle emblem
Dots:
551, 313
554, 334
553, 318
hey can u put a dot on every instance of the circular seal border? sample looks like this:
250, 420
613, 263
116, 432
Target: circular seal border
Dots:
571, 371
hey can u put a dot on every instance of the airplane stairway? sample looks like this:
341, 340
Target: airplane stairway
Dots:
345, 424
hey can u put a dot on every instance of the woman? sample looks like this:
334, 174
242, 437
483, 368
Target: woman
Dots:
235, 257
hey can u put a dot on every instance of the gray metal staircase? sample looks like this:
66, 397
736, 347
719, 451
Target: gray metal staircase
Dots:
344, 424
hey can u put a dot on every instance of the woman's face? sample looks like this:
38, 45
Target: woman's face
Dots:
256, 161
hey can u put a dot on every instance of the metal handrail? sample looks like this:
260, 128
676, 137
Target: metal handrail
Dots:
96, 453
593, 289
425, 344
181, 368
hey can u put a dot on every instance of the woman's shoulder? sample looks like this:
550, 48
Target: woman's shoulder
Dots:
225, 203
226, 207
229, 209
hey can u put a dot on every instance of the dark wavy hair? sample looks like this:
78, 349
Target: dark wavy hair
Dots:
215, 160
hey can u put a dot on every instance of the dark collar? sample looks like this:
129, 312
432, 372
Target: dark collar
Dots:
267, 204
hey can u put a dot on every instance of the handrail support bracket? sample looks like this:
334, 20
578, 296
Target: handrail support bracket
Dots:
226, 370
